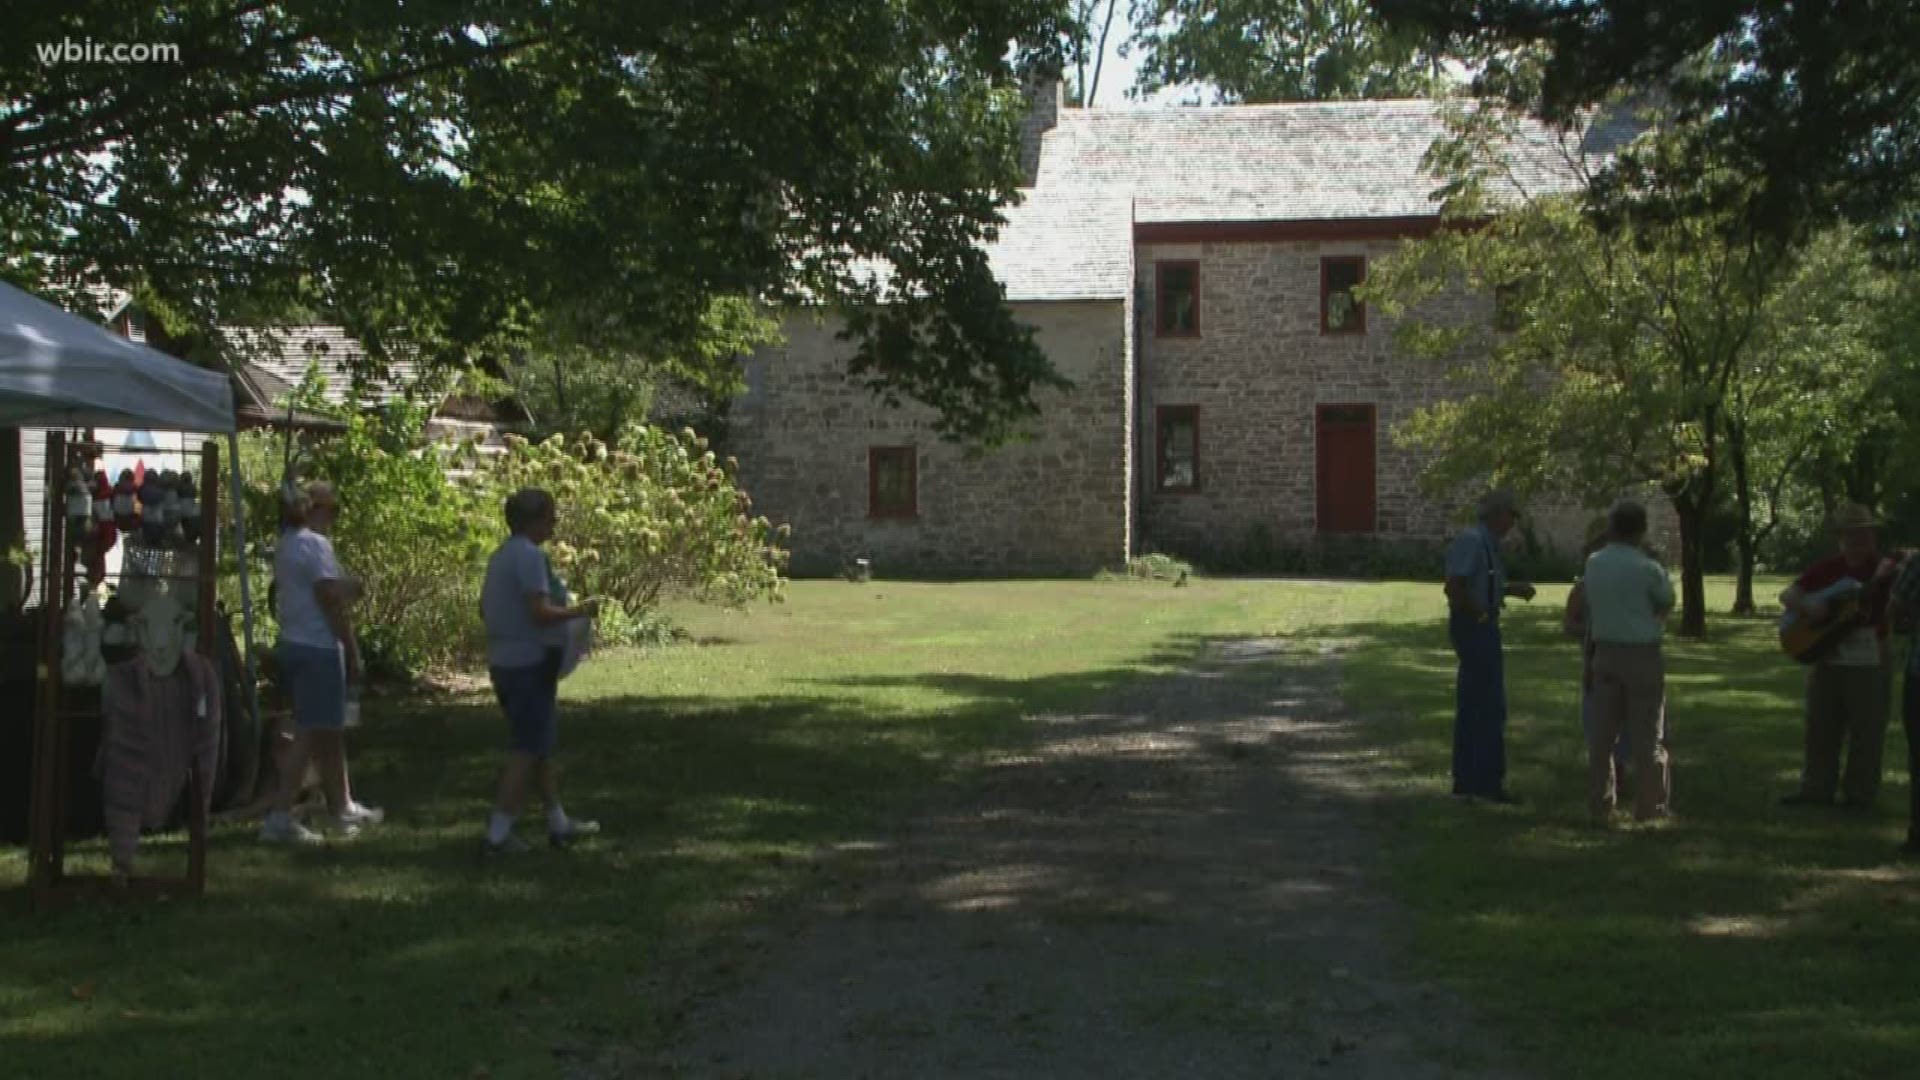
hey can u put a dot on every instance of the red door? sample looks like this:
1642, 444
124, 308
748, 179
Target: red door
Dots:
1343, 468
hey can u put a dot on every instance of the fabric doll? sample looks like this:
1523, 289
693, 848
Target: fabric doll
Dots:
126, 512
154, 494
186, 509
79, 507
102, 498
105, 533
116, 637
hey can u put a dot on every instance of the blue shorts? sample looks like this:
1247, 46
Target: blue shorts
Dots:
530, 697
314, 678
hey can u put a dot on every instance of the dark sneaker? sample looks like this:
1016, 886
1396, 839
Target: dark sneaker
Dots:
575, 831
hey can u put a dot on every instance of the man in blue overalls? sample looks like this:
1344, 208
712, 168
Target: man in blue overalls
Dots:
1477, 586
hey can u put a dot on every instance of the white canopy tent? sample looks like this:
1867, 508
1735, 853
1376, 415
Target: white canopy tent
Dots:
59, 370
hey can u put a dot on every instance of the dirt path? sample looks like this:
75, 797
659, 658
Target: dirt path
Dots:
1178, 887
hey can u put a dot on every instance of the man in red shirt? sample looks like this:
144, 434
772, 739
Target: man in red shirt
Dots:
1849, 687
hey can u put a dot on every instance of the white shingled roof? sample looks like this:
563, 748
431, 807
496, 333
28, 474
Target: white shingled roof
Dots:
1296, 162
276, 360
1066, 243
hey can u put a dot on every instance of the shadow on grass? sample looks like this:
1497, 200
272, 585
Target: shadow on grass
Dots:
406, 952
1184, 854
1752, 939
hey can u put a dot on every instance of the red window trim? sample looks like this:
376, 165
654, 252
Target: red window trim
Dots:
1317, 229
1160, 415
1360, 324
874, 456
1159, 296
1373, 435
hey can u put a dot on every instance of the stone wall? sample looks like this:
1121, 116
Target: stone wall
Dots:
1059, 504
1257, 371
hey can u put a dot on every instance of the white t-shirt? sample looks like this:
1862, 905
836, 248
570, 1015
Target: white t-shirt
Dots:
305, 558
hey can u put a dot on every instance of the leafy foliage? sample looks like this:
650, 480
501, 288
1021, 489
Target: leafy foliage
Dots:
572, 386
1281, 50
446, 178
651, 515
649, 518
1813, 102
417, 539
1655, 352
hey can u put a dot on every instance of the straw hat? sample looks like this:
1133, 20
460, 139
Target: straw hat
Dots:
1853, 516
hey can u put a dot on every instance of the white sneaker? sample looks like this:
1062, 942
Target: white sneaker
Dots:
285, 830
362, 815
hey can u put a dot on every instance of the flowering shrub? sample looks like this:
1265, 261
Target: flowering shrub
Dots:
651, 515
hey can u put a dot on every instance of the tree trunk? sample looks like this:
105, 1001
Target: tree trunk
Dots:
1693, 582
1743, 495
13, 520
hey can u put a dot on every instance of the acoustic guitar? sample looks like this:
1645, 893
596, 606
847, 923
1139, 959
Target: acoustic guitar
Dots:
1807, 641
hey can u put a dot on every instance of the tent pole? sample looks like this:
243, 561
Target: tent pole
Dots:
246, 578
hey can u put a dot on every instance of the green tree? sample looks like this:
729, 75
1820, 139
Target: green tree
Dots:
1621, 357
1807, 105
1281, 50
1808, 385
1092, 28
571, 386
444, 176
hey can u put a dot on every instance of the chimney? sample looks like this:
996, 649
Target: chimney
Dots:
1045, 95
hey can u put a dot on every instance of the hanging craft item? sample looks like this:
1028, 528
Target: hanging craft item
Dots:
126, 509
79, 509
186, 510
80, 661
116, 636
162, 723
155, 493
105, 532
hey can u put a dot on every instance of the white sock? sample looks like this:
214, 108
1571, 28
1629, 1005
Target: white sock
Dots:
557, 818
278, 819
499, 827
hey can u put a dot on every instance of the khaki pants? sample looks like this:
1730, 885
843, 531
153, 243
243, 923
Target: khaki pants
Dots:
1845, 704
1629, 693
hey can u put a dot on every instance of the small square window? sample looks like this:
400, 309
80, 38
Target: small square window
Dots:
1508, 298
892, 482
1177, 439
1176, 298
1341, 312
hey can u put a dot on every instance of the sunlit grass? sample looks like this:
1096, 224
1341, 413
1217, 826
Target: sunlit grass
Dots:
1746, 942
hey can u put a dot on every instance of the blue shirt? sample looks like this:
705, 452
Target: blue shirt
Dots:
1475, 555
517, 570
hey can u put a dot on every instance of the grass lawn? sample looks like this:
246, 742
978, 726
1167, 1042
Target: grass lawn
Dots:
1753, 940
1748, 941
720, 772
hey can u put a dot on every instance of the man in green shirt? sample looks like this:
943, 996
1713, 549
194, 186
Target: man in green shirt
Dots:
1628, 597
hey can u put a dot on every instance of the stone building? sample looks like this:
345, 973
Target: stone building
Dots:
1191, 270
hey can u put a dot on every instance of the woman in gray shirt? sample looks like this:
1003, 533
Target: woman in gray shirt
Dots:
522, 610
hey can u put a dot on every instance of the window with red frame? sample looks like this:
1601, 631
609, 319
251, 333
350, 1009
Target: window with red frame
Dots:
1176, 299
1341, 312
1177, 439
893, 482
